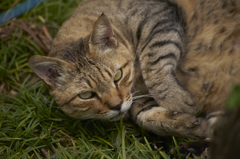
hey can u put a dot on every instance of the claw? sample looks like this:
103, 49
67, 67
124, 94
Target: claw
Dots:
174, 113
197, 122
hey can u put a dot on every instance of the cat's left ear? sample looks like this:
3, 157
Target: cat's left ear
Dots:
102, 36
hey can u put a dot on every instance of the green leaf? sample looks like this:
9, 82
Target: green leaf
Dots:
234, 98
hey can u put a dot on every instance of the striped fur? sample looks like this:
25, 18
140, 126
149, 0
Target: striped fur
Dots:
161, 49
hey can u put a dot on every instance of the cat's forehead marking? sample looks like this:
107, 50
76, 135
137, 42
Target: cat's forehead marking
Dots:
94, 75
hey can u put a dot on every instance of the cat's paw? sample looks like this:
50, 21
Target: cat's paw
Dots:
187, 125
168, 123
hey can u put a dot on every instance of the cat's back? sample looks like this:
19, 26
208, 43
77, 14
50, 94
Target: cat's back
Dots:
124, 15
212, 63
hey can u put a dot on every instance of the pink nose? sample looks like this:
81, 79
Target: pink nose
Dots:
116, 105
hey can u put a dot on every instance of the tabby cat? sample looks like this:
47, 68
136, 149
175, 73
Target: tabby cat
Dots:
160, 62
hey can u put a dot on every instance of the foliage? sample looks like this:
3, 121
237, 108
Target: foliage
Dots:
234, 98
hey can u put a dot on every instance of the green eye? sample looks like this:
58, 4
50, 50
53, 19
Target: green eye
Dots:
118, 76
86, 95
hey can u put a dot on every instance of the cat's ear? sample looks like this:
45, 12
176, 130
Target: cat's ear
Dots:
47, 68
102, 35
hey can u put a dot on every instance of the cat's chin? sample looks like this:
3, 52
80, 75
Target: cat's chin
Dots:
118, 117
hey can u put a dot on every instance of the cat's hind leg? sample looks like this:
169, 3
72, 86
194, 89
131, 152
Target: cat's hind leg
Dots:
147, 114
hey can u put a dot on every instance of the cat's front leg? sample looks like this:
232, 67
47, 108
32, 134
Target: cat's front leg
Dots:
159, 57
166, 89
147, 114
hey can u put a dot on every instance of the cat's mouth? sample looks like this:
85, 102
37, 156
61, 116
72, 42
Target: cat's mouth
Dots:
124, 109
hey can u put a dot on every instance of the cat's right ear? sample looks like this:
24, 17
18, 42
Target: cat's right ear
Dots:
102, 36
47, 68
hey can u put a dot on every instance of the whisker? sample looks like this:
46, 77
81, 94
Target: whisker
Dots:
135, 92
142, 96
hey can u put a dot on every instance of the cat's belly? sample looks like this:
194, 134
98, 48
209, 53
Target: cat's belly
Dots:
210, 82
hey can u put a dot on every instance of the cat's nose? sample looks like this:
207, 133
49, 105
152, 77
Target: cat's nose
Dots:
116, 106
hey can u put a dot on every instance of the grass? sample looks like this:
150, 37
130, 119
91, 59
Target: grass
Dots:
31, 123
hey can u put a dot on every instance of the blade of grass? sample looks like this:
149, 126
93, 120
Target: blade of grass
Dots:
175, 143
122, 132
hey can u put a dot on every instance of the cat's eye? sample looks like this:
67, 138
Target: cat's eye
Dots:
118, 75
86, 95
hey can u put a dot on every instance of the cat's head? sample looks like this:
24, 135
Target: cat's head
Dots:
90, 78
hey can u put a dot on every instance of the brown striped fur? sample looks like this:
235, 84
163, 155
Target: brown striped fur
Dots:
211, 67
212, 63
175, 62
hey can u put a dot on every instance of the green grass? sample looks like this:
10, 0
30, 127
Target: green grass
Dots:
31, 123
